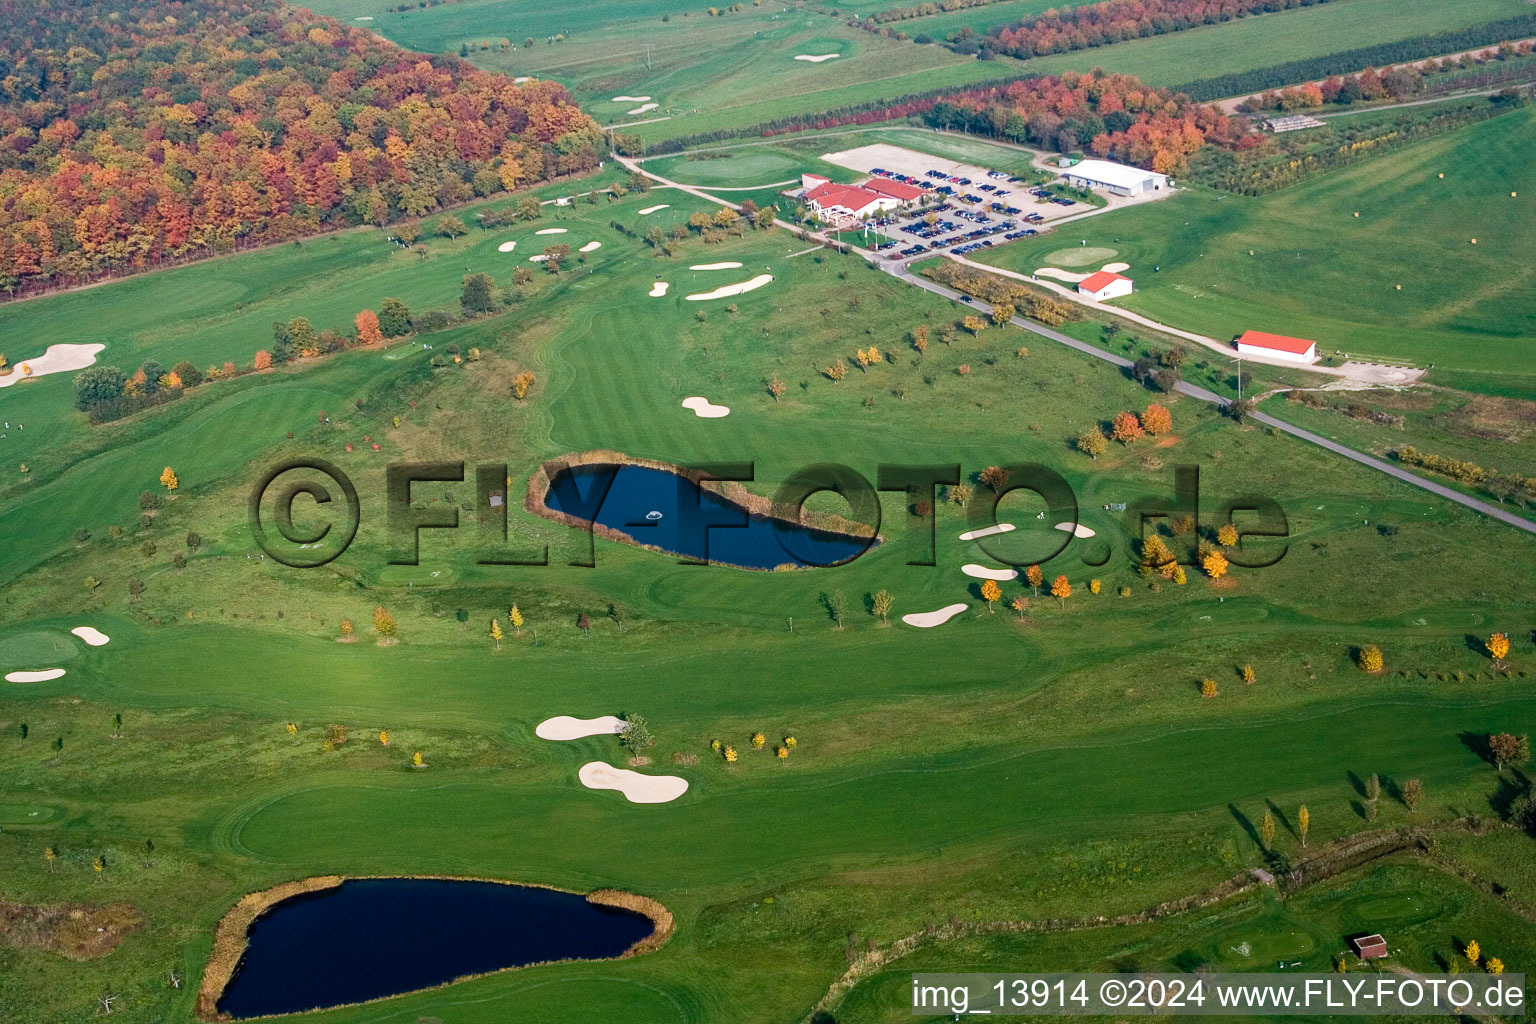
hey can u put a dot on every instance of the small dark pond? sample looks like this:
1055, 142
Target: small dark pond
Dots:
377, 937
735, 537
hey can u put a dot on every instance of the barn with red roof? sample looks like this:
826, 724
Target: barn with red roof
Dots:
1277, 346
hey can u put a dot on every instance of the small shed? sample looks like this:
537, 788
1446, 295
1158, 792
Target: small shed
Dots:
1368, 947
1104, 285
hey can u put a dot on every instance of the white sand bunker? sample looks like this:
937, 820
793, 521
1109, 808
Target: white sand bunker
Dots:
727, 290
653, 209
58, 359
816, 60
590, 247
564, 727
540, 258
520, 79
927, 620
506, 247
659, 289
1061, 275
365, 17
34, 677
705, 409
981, 572
91, 635
637, 788
551, 231
643, 108
1075, 529
729, 265
1115, 268
988, 531
630, 99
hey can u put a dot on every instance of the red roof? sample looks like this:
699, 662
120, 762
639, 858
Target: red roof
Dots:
895, 189
815, 177
850, 196
1278, 342
1097, 282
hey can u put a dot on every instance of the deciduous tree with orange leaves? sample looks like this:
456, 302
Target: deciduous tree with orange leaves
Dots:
1214, 564
1157, 419
990, 592
169, 482
1035, 578
1498, 649
263, 361
1061, 589
367, 322
1126, 428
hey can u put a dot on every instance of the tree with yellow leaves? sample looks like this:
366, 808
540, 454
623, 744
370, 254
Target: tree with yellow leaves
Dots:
347, 629
880, 604
867, 356
1157, 419
1214, 564
920, 338
782, 752
1474, 952
416, 760
383, 737
384, 623
1035, 577
496, 632
1370, 658
1061, 589
1156, 557
730, 755
990, 592
974, 324
1249, 675
1094, 586
50, 854
1208, 688
790, 742
293, 730
776, 388
1002, 313
1303, 822
168, 478
1498, 649
1267, 830
758, 740
1227, 535
836, 372
516, 618
522, 384
1493, 965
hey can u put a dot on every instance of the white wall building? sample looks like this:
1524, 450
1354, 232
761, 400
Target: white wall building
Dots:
1277, 346
1119, 179
1104, 285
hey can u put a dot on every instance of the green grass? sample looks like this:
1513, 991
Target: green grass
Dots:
995, 768
1319, 272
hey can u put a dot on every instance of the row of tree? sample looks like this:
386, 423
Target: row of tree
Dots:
999, 292
1392, 83
1504, 486
135, 132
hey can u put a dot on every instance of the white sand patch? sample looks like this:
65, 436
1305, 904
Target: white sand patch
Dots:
981, 572
1075, 529
659, 289
58, 359
705, 409
927, 620
34, 677
506, 247
540, 258
727, 290
630, 99
564, 727
1061, 275
729, 265
91, 635
988, 531
520, 79
365, 17
637, 788
551, 231
1115, 268
643, 108
590, 247
816, 60
653, 209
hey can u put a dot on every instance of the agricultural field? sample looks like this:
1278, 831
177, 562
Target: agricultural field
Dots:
1319, 271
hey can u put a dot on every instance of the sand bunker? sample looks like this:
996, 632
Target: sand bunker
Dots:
1061, 275
816, 60
643, 108
365, 17
551, 231
659, 289
34, 677
730, 265
653, 209
590, 247
58, 359
1075, 529
927, 620
506, 247
705, 409
981, 572
91, 635
520, 79
630, 99
637, 788
727, 290
564, 727
540, 258
1116, 268
988, 531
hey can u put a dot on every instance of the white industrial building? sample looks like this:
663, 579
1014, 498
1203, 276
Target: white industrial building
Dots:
1119, 179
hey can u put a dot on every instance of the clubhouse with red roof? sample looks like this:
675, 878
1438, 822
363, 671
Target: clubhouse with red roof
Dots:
1277, 346
836, 202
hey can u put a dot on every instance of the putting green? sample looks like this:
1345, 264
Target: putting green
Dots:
27, 814
1250, 946
1081, 256
1393, 908
38, 648
417, 575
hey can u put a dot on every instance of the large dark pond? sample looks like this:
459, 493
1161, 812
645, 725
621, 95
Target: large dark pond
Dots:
371, 938
664, 510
